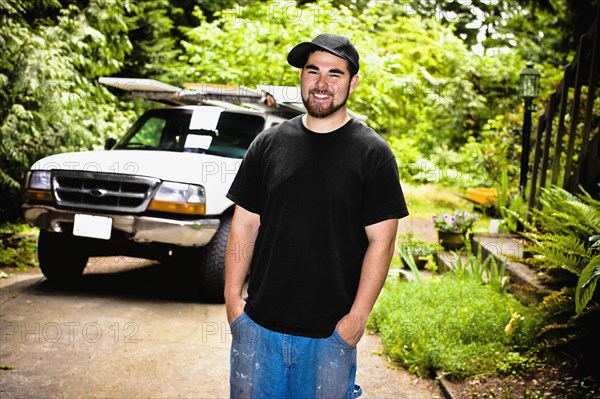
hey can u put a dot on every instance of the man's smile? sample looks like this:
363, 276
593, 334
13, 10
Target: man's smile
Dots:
321, 97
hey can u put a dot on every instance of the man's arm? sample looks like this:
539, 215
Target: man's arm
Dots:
240, 246
382, 237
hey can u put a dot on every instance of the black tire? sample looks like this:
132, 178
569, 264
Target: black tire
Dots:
212, 264
61, 257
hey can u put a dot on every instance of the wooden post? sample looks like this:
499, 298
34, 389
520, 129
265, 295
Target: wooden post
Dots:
579, 174
560, 133
536, 161
550, 112
567, 184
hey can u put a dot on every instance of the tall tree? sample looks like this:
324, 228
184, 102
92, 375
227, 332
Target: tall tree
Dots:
50, 57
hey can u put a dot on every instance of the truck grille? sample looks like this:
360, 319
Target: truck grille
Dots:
103, 191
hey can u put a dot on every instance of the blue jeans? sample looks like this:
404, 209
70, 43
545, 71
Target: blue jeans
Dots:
271, 365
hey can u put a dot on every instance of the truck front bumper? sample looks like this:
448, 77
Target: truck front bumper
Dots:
143, 229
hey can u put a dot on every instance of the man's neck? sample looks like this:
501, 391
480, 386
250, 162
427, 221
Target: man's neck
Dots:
328, 124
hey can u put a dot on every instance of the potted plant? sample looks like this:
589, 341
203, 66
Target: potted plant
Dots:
421, 251
452, 228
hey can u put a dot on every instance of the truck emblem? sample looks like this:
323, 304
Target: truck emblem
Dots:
98, 192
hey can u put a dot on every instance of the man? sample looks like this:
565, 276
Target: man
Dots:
317, 205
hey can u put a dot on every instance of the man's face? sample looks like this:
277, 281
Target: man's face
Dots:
325, 84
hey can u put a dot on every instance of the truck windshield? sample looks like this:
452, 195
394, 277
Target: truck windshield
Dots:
167, 130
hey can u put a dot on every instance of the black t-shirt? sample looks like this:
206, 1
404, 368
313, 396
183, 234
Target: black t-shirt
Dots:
315, 193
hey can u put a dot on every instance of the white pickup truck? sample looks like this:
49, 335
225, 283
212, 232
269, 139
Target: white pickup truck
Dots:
159, 191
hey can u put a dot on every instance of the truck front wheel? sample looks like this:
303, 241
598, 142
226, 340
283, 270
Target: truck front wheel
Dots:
212, 263
61, 259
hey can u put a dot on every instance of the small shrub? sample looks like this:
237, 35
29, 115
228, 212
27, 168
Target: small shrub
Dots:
514, 363
17, 246
450, 324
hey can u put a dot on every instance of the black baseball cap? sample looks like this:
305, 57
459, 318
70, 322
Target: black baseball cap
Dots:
334, 44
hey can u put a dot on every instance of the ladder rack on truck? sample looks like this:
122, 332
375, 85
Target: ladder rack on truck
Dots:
286, 100
283, 100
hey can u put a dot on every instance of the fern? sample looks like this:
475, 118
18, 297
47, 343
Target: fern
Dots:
587, 284
518, 218
569, 214
588, 199
589, 217
558, 304
566, 252
565, 234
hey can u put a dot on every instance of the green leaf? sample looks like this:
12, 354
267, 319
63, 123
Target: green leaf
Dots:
587, 284
410, 261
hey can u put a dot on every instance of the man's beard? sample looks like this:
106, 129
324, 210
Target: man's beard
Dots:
323, 110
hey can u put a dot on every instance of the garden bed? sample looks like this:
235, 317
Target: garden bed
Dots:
561, 380
560, 377
525, 285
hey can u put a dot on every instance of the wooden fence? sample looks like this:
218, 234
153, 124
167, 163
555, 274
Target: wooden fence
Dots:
571, 159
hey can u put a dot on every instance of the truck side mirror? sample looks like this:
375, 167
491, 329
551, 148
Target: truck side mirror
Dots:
110, 143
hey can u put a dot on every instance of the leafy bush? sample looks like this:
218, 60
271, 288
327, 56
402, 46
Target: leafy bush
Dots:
49, 101
451, 324
414, 77
17, 246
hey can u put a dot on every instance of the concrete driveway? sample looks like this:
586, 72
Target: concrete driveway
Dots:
132, 330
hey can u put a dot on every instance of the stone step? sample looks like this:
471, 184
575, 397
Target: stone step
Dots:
505, 249
524, 281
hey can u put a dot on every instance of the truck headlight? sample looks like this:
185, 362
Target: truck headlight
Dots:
39, 186
179, 198
40, 180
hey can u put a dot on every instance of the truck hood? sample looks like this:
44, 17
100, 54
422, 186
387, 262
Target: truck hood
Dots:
174, 166
213, 172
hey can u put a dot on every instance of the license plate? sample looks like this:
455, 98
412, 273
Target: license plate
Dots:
92, 226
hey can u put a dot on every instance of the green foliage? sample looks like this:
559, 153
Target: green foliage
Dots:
449, 115
511, 204
562, 233
152, 30
587, 284
408, 259
515, 363
471, 266
49, 101
414, 73
568, 332
451, 324
17, 246
462, 323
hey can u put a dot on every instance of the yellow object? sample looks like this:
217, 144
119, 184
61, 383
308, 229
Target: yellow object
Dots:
482, 195
177, 207
38, 195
